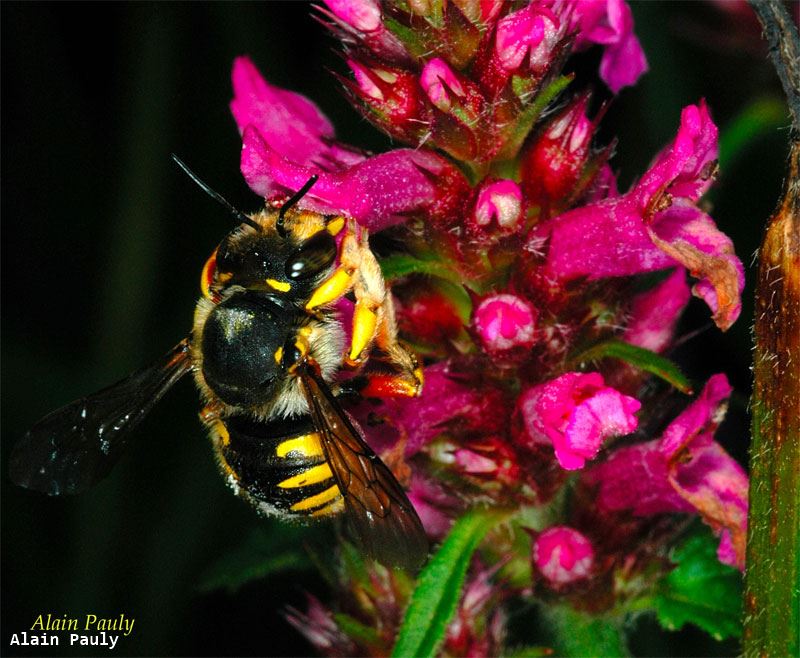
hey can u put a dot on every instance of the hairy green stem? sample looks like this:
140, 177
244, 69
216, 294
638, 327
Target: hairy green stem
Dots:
772, 579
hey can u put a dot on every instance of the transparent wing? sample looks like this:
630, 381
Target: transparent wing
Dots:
376, 507
74, 447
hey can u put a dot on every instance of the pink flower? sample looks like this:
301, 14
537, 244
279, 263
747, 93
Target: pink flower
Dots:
683, 471
655, 225
576, 412
563, 555
610, 24
499, 202
505, 322
655, 313
285, 139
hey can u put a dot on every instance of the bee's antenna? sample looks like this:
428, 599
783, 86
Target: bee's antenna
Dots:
238, 214
291, 201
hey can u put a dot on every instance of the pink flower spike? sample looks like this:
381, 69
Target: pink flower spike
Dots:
655, 313
498, 201
563, 555
439, 82
504, 322
576, 412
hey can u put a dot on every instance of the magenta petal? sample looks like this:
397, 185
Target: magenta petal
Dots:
702, 415
290, 123
377, 192
602, 239
711, 481
685, 167
691, 238
636, 478
623, 64
610, 23
654, 314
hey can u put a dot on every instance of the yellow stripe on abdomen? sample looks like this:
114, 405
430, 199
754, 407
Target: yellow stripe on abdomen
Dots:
306, 446
312, 475
329, 510
315, 501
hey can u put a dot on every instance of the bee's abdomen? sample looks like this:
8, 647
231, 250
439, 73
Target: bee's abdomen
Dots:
279, 466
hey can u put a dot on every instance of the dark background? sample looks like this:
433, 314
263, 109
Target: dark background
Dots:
103, 241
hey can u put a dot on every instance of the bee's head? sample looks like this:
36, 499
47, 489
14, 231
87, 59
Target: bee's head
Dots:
241, 345
263, 260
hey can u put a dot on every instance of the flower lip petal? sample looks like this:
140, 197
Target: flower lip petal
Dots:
290, 123
378, 192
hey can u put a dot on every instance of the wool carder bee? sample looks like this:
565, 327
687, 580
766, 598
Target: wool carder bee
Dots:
265, 349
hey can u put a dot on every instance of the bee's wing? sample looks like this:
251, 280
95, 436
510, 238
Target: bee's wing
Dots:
377, 509
72, 448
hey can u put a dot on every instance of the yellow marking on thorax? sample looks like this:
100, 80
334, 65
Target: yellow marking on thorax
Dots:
312, 475
280, 286
329, 510
315, 501
278, 355
307, 445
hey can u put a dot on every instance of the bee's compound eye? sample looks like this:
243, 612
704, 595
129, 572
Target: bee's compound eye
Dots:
314, 256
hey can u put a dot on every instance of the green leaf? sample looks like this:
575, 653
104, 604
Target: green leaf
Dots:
701, 590
579, 634
354, 629
638, 357
261, 554
760, 117
438, 590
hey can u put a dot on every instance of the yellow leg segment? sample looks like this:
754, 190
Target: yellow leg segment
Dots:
365, 323
333, 288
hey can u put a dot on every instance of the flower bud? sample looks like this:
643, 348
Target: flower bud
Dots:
425, 313
505, 322
553, 163
525, 43
390, 98
458, 120
563, 555
440, 83
498, 207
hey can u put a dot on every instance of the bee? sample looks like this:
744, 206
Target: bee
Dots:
265, 348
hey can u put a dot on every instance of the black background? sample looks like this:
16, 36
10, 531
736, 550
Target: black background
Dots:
103, 241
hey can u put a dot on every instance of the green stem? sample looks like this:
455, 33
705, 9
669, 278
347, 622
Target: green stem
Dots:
772, 579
